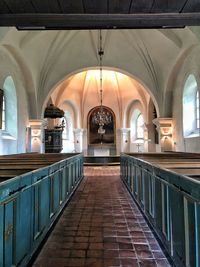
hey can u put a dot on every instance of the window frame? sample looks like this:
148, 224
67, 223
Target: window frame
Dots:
191, 102
139, 136
197, 110
3, 120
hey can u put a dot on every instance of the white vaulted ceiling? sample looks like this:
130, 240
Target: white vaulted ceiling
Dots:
46, 58
82, 90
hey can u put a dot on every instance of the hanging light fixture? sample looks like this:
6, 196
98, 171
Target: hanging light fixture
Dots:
101, 117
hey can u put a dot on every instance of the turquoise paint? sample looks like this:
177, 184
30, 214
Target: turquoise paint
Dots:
29, 204
178, 187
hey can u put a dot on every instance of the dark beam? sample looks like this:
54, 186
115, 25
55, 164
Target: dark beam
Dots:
97, 21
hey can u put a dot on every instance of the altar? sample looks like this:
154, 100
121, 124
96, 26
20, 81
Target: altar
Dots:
101, 150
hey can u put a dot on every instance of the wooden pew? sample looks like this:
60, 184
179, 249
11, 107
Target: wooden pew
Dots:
18, 164
31, 202
166, 186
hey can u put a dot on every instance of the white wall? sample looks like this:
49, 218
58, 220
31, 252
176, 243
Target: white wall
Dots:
38, 61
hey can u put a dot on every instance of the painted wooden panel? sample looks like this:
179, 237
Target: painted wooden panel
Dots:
171, 203
158, 205
118, 6
3, 8
139, 6
177, 211
44, 198
1, 235
24, 6
36, 211
197, 234
8, 233
167, 6
93, 6
28, 206
190, 233
192, 6
23, 225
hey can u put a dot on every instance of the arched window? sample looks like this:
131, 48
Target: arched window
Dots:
65, 134
191, 123
137, 126
68, 135
140, 127
9, 110
197, 109
3, 114
137, 131
9, 115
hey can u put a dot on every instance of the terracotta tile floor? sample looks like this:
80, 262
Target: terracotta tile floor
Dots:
101, 227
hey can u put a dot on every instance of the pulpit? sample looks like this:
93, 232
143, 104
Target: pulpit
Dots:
53, 133
53, 141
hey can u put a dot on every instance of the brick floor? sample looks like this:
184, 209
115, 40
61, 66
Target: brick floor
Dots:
101, 227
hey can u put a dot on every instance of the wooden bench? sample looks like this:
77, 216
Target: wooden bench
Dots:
18, 164
34, 189
166, 186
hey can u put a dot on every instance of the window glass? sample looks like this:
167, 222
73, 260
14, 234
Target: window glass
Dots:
140, 126
190, 102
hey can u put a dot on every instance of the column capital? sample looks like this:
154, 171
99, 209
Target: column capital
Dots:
37, 123
124, 130
36, 135
163, 122
165, 129
78, 130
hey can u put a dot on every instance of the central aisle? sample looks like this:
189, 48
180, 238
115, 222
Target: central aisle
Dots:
101, 227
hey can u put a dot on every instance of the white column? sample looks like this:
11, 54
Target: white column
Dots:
37, 135
85, 142
125, 139
1, 143
165, 128
78, 140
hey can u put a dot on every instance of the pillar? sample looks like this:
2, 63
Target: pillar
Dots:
149, 138
78, 140
165, 130
35, 141
1, 143
125, 140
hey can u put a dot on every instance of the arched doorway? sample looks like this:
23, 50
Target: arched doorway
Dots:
101, 138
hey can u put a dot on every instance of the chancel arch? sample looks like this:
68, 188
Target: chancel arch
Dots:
80, 94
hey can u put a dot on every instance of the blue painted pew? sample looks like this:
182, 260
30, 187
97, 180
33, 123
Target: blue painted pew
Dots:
170, 202
30, 203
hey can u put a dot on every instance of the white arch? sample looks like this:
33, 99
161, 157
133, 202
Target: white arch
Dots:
125, 118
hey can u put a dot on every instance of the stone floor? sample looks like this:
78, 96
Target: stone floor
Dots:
101, 227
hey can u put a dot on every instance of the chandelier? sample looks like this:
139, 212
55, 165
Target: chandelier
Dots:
101, 117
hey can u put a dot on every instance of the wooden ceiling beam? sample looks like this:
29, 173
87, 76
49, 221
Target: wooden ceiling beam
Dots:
97, 21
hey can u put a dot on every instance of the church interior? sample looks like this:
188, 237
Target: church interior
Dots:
62, 68
99, 133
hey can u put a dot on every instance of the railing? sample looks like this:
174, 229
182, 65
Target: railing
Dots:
30, 203
171, 203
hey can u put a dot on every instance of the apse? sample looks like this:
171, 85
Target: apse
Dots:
83, 92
